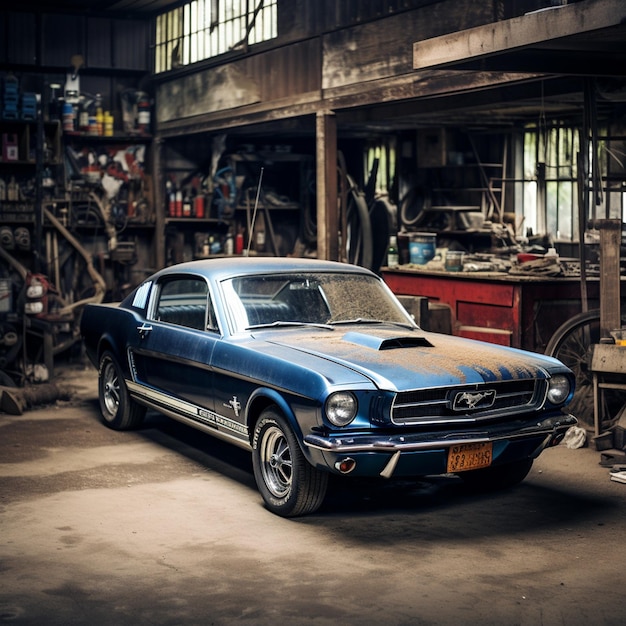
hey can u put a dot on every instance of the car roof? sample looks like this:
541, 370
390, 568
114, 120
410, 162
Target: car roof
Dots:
221, 268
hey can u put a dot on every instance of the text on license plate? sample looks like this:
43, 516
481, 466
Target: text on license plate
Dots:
469, 456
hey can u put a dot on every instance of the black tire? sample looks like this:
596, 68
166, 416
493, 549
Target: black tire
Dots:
119, 410
289, 485
572, 344
498, 476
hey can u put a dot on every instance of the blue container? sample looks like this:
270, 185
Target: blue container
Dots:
422, 248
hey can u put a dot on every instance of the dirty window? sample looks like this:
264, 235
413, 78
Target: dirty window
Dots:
183, 301
309, 298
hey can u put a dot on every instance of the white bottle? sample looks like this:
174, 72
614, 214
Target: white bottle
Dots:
392, 252
229, 244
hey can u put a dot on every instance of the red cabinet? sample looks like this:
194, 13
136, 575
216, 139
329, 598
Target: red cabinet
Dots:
517, 311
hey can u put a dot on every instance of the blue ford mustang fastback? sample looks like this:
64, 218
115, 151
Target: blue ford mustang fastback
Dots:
317, 369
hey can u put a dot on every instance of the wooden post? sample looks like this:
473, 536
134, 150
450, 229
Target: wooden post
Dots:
326, 162
610, 241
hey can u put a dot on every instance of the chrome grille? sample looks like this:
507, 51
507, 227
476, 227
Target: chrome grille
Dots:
436, 405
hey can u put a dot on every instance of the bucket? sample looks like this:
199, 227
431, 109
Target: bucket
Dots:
422, 248
454, 261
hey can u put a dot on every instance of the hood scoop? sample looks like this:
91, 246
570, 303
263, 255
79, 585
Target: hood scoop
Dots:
388, 343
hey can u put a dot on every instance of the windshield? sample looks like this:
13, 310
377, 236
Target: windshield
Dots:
311, 299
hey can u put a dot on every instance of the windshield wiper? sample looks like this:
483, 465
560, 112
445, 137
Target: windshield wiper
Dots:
279, 323
357, 320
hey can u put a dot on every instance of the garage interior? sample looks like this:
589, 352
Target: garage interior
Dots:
141, 133
473, 154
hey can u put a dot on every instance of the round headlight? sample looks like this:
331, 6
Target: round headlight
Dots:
341, 408
558, 389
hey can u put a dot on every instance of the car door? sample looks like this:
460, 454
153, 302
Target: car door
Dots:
172, 350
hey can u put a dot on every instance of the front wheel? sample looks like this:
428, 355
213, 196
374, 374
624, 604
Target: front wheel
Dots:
498, 476
290, 486
119, 410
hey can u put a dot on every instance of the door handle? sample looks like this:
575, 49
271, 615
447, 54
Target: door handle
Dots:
144, 329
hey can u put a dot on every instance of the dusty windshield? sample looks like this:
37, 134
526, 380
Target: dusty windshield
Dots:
309, 298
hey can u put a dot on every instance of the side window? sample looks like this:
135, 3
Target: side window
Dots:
183, 301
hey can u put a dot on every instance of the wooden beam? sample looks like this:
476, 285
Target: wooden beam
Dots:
326, 161
518, 32
610, 240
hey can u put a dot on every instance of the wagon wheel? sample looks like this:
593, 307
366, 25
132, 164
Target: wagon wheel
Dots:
356, 226
572, 343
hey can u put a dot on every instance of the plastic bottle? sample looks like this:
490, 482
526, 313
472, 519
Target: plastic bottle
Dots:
99, 115
68, 117
259, 236
171, 198
92, 126
83, 116
392, 252
198, 205
143, 115
229, 244
13, 190
108, 124
239, 243
187, 204
179, 203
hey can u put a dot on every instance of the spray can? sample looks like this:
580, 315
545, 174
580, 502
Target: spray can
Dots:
143, 115
239, 243
199, 205
229, 247
68, 117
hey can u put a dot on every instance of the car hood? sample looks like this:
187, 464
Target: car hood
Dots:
409, 359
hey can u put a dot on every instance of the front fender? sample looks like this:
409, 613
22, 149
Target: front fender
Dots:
264, 397
308, 417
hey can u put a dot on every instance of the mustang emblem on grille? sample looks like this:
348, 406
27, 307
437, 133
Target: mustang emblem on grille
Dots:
467, 400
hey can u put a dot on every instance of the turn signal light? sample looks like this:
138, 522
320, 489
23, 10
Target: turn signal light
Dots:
346, 465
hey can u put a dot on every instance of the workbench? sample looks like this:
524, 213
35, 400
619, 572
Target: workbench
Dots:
511, 310
608, 366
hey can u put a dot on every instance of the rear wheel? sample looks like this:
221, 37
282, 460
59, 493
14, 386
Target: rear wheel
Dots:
119, 410
498, 476
290, 486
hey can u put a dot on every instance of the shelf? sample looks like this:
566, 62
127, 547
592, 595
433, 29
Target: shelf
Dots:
268, 156
287, 206
196, 220
19, 138
29, 163
17, 217
106, 139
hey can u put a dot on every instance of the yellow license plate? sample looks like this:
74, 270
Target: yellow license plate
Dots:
469, 456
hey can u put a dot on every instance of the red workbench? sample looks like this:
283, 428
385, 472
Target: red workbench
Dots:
517, 311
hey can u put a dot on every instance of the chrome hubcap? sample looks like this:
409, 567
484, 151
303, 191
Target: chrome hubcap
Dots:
111, 389
276, 462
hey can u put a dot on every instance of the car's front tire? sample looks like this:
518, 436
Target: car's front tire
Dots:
498, 476
290, 486
119, 410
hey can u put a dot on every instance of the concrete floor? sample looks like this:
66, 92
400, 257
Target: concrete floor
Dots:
165, 526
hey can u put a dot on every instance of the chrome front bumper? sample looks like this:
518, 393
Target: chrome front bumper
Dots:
550, 428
